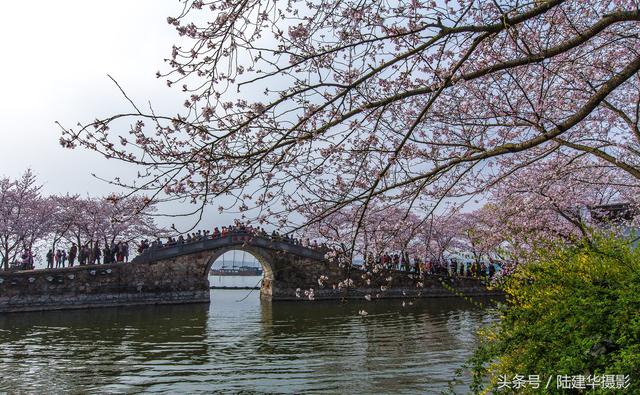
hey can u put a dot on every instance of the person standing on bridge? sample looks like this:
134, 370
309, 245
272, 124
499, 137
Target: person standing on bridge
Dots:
26, 262
81, 255
88, 253
144, 244
113, 251
106, 252
96, 254
73, 251
124, 250
57, 257
50, 259
84, 252
117, 255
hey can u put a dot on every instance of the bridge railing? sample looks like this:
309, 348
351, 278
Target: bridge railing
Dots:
237, 238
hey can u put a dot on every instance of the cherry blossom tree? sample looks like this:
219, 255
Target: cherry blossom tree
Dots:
327, 106
440, 236
112, 218
476, 237
39, 223
128, 218
384, 229
29, 220
21, 220
85, 222
64, 217
553, 200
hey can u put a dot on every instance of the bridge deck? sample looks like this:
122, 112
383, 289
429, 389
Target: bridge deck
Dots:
231, 240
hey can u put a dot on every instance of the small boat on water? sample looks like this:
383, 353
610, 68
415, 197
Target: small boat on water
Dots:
237, 271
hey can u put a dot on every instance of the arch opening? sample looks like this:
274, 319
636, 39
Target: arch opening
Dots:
237, 267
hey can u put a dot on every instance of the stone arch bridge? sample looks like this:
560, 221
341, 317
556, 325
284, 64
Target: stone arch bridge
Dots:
179, 274
286, 266
170, 274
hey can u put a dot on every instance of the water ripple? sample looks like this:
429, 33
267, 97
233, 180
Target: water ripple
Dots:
240, 346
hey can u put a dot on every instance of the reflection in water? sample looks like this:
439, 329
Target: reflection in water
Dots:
96, 349
237, 345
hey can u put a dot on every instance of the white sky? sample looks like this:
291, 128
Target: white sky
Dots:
55, 59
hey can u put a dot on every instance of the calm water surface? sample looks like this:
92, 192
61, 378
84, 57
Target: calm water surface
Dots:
240, 344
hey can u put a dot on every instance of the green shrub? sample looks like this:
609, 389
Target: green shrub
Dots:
570, 311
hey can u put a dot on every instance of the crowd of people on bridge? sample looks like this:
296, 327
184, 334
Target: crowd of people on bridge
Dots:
91, 253
219, 232
445, 267
26, 260
88, 254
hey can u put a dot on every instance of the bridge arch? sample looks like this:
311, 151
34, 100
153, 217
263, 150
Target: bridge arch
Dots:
262, 256
286, 266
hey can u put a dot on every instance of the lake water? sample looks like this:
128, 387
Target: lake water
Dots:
240, 344
235, 281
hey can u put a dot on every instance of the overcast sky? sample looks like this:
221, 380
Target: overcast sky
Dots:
55, 61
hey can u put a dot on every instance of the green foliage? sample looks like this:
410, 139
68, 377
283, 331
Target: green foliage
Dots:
570, 311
